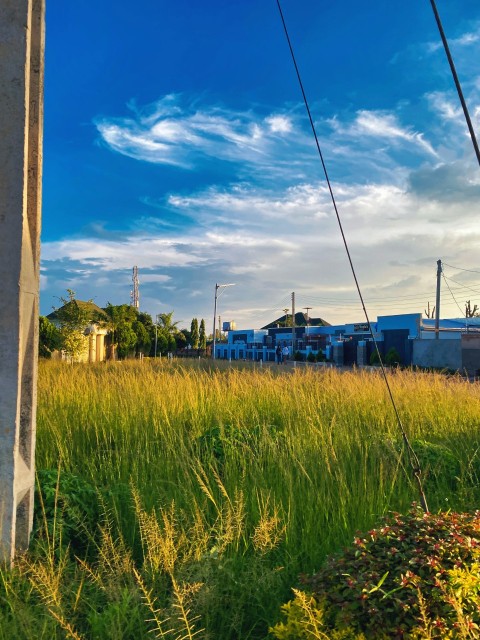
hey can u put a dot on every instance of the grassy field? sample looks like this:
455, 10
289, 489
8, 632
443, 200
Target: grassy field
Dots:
182, 501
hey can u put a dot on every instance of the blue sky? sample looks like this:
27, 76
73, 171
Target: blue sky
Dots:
176, 140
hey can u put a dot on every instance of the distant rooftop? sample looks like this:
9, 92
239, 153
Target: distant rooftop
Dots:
95, 311
300, 321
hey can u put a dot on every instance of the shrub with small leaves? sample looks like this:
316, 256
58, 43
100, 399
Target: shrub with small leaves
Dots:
305, 620
415, 569
67, 506
438, 462
392, 357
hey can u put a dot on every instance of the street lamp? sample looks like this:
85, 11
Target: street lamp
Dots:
222, 288
156, 329
308, 317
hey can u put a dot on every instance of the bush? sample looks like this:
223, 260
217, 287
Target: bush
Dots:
305, 620
298, 356
67, 506
320, 356
440, 466
392, 357
374, 359
311, 357
416, 571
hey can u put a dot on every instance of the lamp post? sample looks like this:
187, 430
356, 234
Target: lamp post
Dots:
156, 331
308, 317
222, 288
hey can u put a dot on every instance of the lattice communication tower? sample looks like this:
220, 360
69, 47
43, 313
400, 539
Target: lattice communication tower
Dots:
134, 293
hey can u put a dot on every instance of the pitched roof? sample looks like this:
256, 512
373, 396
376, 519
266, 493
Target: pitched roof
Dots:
300, 321
94, 310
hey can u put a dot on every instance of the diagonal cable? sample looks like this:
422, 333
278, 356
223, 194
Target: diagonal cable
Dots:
460, 268
414, 461
457, 81
451, 293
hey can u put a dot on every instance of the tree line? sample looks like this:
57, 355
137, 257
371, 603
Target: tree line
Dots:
130, 331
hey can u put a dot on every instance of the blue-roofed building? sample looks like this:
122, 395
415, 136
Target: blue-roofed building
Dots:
411, 335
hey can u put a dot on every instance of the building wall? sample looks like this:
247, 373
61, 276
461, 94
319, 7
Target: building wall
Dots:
408, 321
471, 354
442, 354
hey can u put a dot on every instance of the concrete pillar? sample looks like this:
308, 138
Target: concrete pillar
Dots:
100, 347
362, 353
21, 128
338, 353
92, 347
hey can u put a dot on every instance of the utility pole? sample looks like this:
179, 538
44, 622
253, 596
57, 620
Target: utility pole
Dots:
308, 317
293, 323
437, 302
22, 27
222, 288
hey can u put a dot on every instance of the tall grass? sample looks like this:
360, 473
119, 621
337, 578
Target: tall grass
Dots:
218, 485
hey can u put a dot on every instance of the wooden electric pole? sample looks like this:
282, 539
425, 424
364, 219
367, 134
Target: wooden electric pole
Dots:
437, 302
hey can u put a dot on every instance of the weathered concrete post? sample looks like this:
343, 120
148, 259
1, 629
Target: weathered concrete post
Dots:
21, 127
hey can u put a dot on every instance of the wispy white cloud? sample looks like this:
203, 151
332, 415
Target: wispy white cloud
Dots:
105, 255
178, 132
395, 236
445, 106
464, 40
279, 124
400, 207
242, 205
382, 126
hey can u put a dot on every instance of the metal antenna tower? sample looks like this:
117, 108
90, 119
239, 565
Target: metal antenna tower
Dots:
134, 293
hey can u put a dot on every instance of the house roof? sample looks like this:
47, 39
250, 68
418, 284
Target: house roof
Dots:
300, 321
94, 310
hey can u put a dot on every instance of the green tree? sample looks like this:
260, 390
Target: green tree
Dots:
74, 316
121, 314
194, 334
126, 339
144, 340
49, 338
162, 343
112, 320
165, 322
146, 320
184, 337
181, 339
167, 332
202, 336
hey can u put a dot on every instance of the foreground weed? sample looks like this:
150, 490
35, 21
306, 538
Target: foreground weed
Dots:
270, 529
229, 527
243, 479
48, 581
160, 624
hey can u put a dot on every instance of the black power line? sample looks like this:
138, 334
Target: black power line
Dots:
460, 268
456, 80
451, 293
414, 461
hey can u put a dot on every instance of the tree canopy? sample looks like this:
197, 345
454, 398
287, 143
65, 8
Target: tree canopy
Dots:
73, 318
